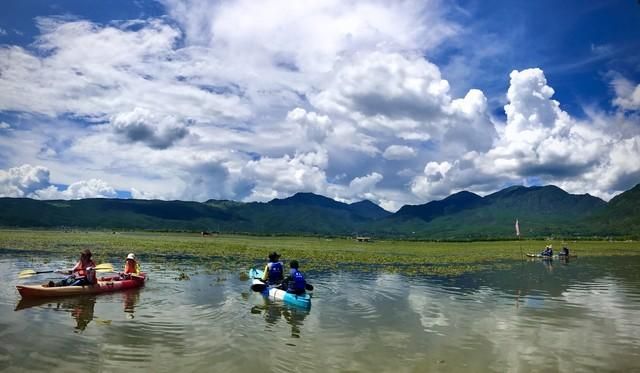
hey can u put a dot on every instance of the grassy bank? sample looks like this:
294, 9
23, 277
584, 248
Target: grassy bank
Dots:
230, 251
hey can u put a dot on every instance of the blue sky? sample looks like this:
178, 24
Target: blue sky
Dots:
396, 102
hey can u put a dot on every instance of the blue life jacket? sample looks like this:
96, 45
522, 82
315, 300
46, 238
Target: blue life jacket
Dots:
275, 272
297, 282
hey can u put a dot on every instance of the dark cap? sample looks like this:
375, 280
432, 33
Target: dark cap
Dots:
293, 264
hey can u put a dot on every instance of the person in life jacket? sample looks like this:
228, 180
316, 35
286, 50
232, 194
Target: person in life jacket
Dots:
84, 270
295, 282
273, 271
83, 273
564, 252
131, 266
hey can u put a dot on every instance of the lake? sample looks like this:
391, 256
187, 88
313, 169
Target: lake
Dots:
583, 315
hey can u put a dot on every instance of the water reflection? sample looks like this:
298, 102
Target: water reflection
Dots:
130, 300
274, 312
81, 308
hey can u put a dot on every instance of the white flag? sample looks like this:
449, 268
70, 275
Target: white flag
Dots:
517, 229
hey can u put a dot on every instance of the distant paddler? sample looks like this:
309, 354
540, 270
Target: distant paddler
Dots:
548, 251
564, 252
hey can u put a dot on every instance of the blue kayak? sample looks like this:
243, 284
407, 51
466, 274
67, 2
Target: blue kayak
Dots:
303, 300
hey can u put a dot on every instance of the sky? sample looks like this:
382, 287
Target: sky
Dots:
397, 102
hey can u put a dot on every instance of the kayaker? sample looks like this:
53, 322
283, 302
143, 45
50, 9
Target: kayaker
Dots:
84, 270
295, 282
565, 251
131, 266
273, 271
83, 273
548, 251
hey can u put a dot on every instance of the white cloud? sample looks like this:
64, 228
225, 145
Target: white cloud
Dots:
139, 194
140, 125
3, 32
399, 152
92, 188
270, 178
388, 84
315, 126
22, 181
627, 94
403, 96
93, 71
308, 37
4, 126
360, 185
33, 182
540, 140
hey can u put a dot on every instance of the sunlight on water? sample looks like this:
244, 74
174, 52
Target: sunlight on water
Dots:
538, 316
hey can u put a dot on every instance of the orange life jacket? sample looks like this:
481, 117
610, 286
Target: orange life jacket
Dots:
81, 268
131, 266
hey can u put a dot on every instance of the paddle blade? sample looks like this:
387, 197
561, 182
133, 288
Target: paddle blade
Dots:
308, 287
258, 286
26, 273
105, 267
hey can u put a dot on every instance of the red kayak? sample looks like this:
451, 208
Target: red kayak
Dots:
104, 285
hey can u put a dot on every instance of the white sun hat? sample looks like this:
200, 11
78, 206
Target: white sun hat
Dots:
131, 256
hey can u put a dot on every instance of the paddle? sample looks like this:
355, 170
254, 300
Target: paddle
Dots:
259, 287
103, 267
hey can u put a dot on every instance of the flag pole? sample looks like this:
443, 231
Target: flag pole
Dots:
519, 242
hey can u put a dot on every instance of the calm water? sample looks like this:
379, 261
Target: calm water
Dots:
580, 316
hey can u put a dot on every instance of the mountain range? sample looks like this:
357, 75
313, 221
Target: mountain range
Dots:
542, 211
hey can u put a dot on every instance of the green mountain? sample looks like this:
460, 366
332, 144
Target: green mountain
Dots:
542, 211
454, 203
621, 217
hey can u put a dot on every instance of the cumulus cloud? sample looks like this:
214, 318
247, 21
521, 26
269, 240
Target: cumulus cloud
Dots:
4, 126
280, 177
93, 188
22, 181
403, 95
388, 84
627, 94
139, 194
308, 37
399, 152
360, 185
140, 125
315, 126
540, 140
33, 182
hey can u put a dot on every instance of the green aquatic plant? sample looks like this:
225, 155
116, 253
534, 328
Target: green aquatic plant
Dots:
237, 252
183, 277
